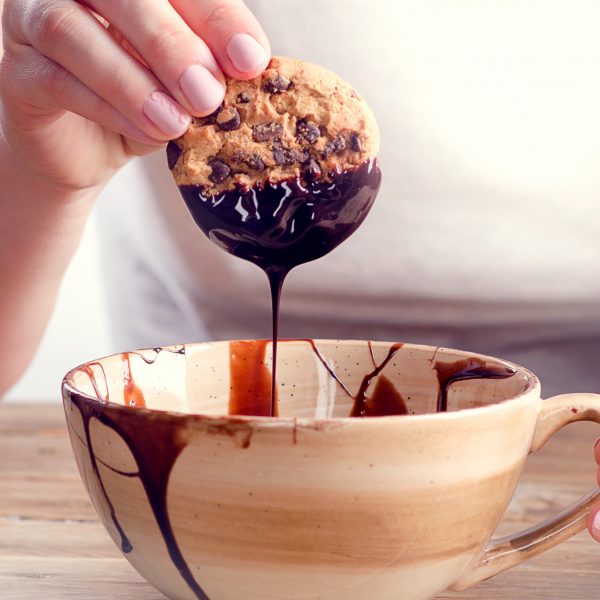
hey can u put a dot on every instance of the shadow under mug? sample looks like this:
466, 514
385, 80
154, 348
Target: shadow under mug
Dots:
312, 503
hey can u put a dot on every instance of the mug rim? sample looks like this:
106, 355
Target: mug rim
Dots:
533, 385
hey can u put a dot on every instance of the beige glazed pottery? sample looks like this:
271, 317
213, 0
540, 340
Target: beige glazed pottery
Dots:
313, 503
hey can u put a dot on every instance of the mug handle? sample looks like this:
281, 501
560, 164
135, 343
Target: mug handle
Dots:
503, 553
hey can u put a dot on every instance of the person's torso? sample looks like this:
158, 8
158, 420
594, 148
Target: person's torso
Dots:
490, 146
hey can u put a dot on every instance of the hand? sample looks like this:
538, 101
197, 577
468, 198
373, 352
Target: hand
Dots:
86, 85
594, 518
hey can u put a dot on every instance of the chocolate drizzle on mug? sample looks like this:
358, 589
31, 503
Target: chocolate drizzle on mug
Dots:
132, 394
157, 439
155, 446
155, 442
250, 389
383, 400
462, 370
279, 226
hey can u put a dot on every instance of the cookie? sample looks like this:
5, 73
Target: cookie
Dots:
295, 121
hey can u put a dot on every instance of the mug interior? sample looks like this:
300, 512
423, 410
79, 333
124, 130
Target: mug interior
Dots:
315, 379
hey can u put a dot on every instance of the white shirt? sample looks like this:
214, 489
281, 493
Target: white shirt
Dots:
488, 219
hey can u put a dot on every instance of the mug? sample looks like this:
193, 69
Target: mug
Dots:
400, 500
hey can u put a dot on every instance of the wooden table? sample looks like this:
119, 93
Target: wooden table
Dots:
52, 546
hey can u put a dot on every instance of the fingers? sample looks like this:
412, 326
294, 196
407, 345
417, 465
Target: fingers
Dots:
594, 518
231, 31
70, 36
45, 83
176, 55
594, 523
151, 64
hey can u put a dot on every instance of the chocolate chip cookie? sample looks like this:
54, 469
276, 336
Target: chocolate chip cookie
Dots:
295, 121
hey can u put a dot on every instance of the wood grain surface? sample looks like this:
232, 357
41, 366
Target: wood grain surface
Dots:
52, 546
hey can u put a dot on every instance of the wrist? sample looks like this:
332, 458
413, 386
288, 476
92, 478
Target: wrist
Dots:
27, 183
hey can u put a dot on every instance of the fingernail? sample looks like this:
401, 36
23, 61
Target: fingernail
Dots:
201, 89
246, 54
166, 114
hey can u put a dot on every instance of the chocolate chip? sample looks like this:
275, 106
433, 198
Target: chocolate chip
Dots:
264, 132
312, 170
208, 119
286, 156
276, 84
253, 161
228, 119
355, 143
335, 146
307, 131
243, 98
220, 170
173, 154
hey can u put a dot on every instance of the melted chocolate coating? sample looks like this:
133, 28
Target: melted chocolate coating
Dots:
282, 225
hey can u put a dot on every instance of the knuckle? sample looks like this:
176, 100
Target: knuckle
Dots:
116, 86
53, 23
167, 41
220, 15
5, 77
57, 80
16, 76
10, 16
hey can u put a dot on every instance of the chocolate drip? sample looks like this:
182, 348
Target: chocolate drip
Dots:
385, 400
126, 546
331, 372
462, 370
380, 404
132, 394
276, 277
150, 360
279, 226
155, 441
250, 388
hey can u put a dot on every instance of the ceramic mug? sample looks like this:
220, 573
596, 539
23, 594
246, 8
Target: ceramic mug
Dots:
314, 503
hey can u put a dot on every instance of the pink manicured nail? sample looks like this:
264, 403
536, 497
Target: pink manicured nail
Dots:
246, 54
201, 89
165, 114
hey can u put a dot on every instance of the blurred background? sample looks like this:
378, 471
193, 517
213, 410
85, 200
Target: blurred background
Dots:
79, 329
73, 335
494, 111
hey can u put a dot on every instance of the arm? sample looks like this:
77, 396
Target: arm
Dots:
39, 232
78, 99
